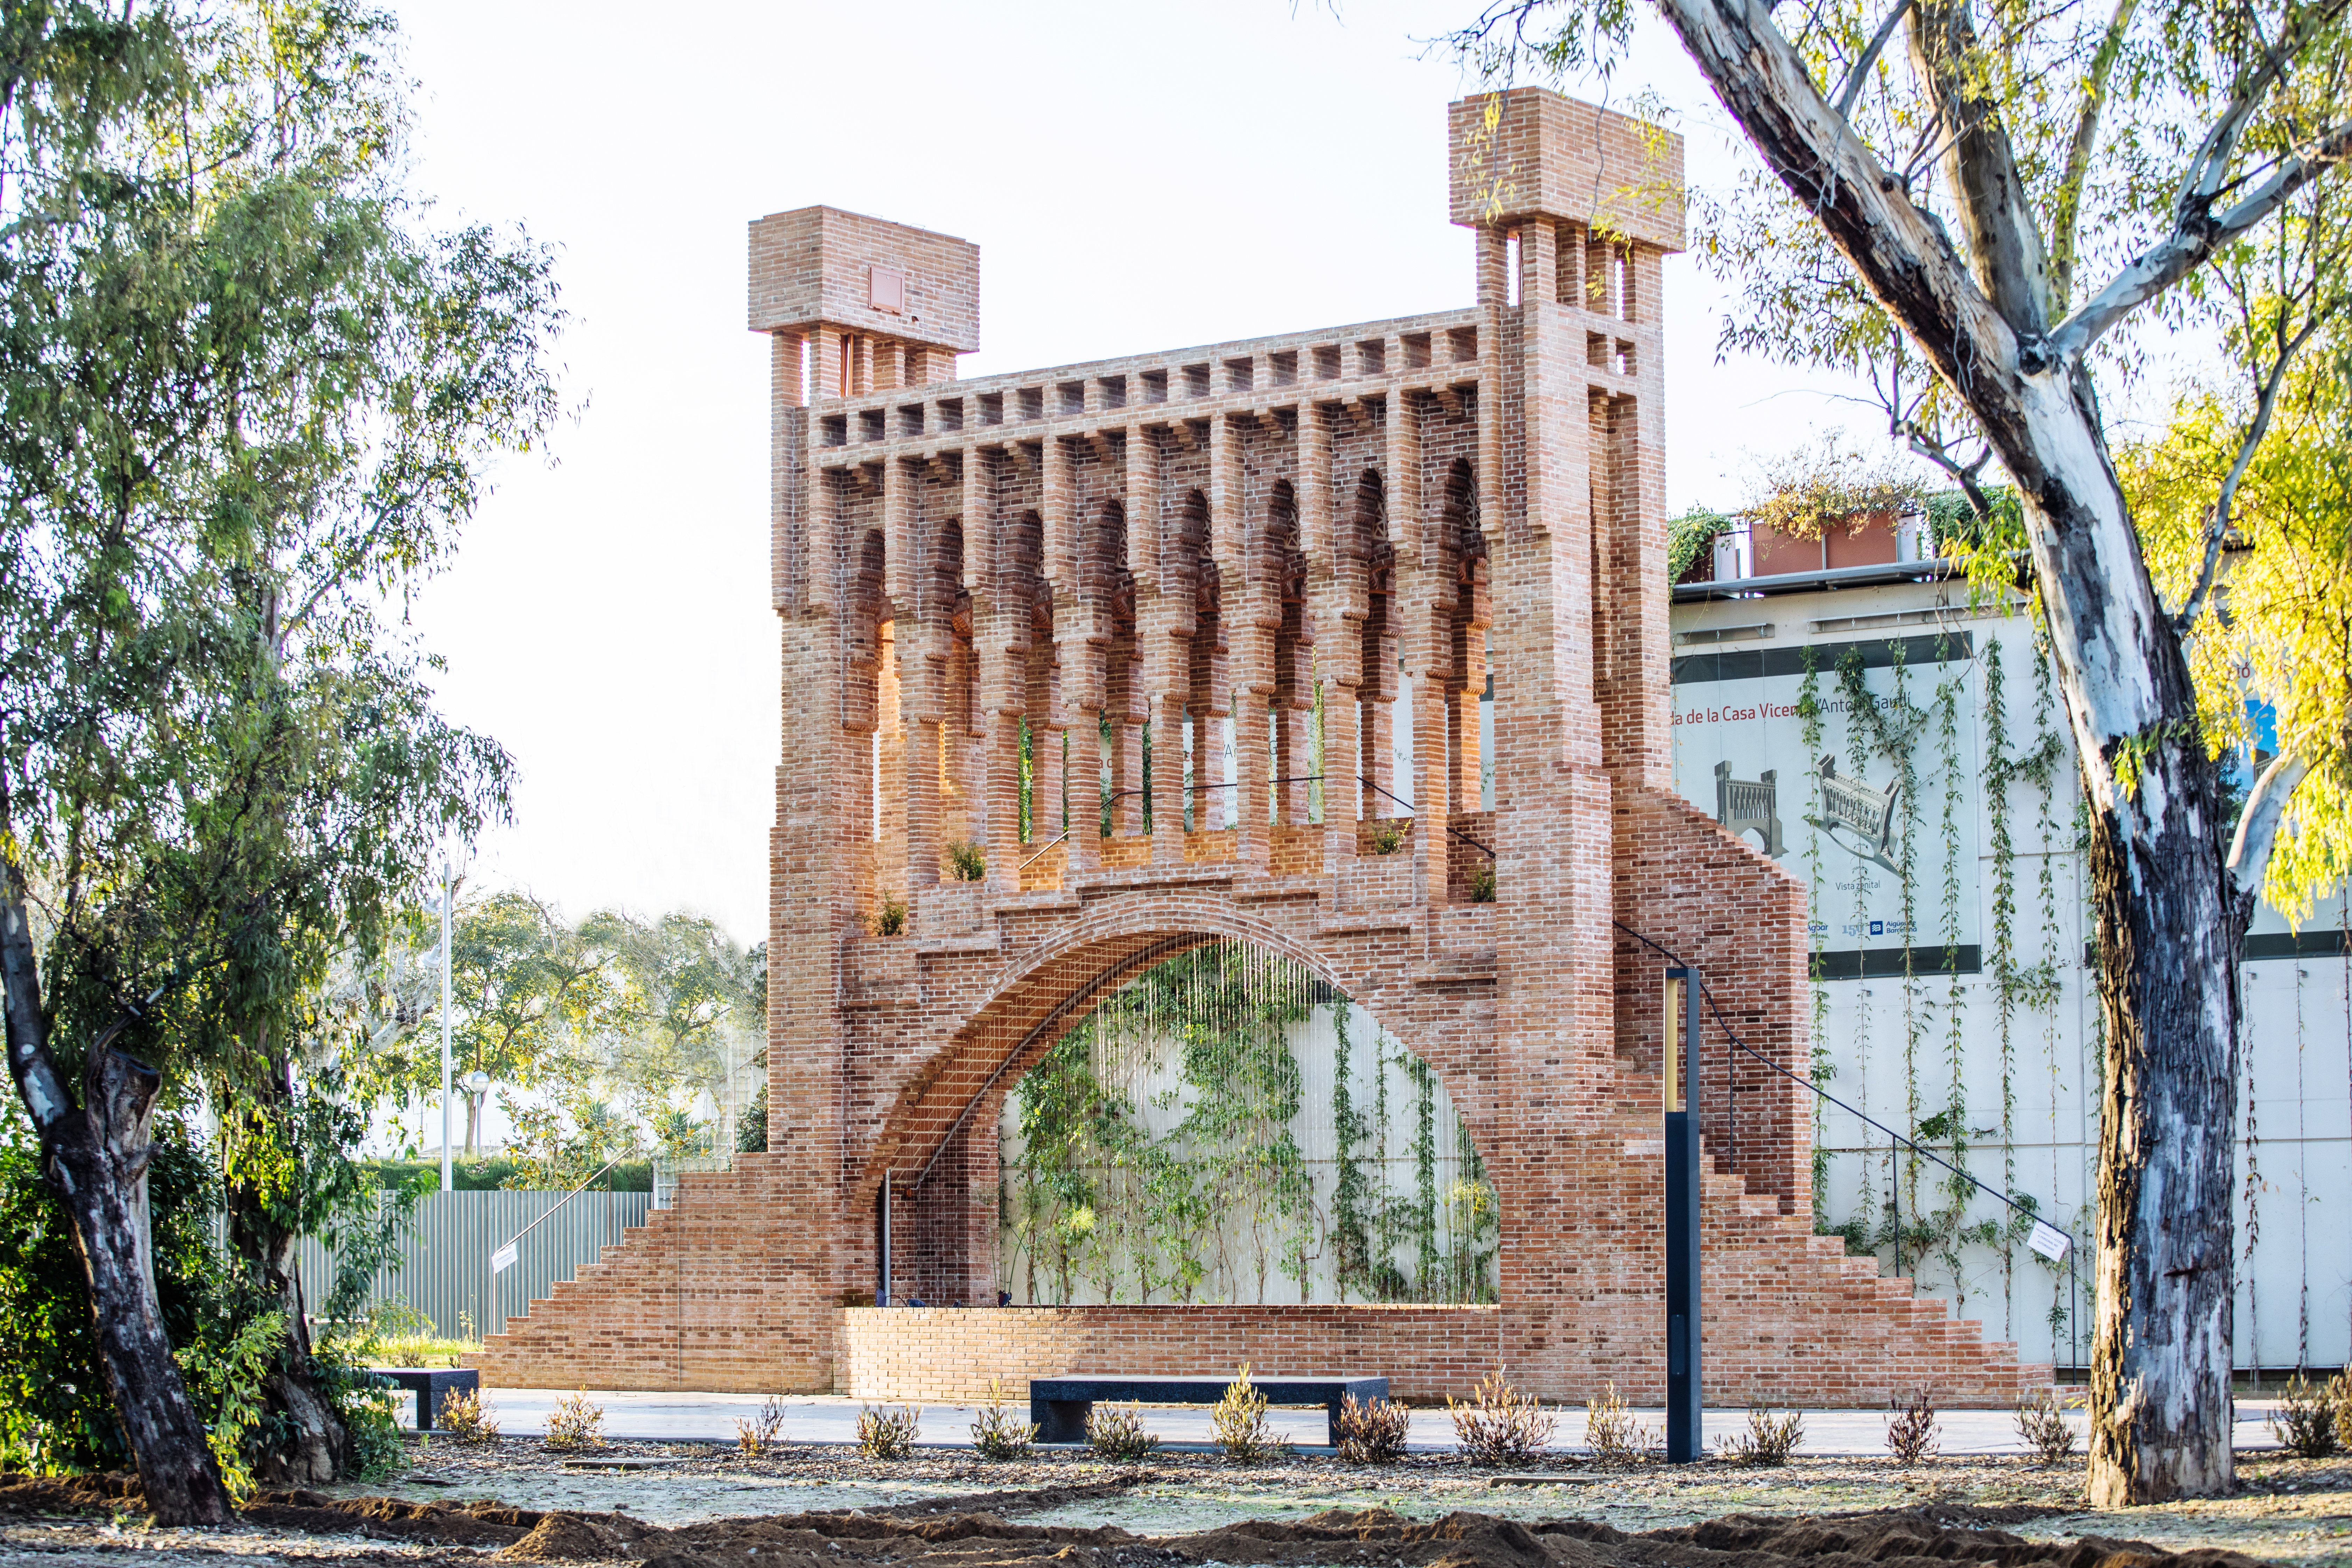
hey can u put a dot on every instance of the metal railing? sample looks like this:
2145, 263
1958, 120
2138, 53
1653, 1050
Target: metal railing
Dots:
440, 1266
2026, 1209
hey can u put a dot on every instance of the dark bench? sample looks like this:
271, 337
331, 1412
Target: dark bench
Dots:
430, 1384
1059, 1405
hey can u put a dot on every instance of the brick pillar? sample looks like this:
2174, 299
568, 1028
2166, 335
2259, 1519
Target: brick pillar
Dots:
1493, 282
1001, 779
1433, 800
1341, 757
1127, 714
1084, 783
1250, 743
1045, 732
1168, 703
1538, 260
1462, 744
920, 704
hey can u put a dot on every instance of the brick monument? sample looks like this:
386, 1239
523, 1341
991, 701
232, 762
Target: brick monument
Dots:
1393, 511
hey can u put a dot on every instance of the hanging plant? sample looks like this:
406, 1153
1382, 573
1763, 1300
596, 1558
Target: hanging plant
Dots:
1201, 1184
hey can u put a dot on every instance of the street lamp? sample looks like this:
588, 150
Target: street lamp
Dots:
1682, 1117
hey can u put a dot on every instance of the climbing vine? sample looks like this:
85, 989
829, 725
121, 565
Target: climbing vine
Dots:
1166, 1149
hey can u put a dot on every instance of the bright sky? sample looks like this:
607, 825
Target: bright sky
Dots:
1138, 176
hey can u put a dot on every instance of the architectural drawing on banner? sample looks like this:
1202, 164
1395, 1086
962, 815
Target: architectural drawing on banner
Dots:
1861, 819
1745, 804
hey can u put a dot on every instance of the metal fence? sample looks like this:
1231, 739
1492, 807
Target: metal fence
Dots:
444, 1267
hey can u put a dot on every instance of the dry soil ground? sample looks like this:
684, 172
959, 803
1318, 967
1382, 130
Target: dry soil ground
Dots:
700, 1505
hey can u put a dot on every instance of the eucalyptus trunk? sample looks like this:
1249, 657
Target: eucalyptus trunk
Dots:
96, 1154
315, 1444
2171, 897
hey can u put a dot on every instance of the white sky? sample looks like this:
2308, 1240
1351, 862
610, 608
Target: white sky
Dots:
1138, 176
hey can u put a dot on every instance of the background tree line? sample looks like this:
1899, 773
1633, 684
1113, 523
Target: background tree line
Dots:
597, 1039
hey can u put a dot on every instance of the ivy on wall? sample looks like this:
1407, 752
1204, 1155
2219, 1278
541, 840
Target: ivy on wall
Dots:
1923, 1215
1167, 1150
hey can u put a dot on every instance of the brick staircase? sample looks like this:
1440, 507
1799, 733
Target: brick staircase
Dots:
711, 1294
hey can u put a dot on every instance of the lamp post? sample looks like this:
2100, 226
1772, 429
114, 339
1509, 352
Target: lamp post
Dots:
1684, 1438
448, 1183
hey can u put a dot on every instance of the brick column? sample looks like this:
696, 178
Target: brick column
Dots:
1493, 280
916, 751
1128, 711
1341, 758
1538, 260
1045, 732
1140, 686
1168, 703
1433, 800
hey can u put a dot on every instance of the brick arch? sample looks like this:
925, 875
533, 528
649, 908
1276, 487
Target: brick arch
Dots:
1030, 1003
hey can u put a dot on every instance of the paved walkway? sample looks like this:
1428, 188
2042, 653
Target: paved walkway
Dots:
712, 1417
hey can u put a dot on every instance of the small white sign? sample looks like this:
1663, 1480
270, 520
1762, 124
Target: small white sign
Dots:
503, 1258
2050, 1241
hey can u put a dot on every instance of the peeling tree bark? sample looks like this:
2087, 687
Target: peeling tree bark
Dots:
96, 1155
2170, 905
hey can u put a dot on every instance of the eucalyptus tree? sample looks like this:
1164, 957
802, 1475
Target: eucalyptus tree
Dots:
1987, 202
246, 396
526, 993
689, 1017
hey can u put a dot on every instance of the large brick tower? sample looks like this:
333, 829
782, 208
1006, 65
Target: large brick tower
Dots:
1381, 514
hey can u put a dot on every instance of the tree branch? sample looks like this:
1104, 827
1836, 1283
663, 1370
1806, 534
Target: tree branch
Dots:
2258, 824
2005, 250
2219, 529
2196, 236
39, 1084
1859, 77
2067, 218
1902, 256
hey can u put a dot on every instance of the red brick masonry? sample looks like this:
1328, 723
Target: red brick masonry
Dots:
1343, 521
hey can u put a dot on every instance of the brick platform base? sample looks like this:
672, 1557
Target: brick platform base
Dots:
703, 1298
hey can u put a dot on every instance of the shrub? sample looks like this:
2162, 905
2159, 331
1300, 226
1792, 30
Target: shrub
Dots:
1768, 1440
1614, 1437
2041, 1423
1119, 1434
1239, 1422
886, 1434
1482, 882
1387, 838
968, 861
2340, 1391
467, 1417
754, 1437
2305, 1425
1499, 1425
1912, 1431
578, 1422
892, 918
999, 1433
1371, 1431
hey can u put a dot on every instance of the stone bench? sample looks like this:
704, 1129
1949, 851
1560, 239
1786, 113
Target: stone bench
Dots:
1059, 1405
430, 1384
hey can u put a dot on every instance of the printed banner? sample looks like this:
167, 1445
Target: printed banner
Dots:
1879, 794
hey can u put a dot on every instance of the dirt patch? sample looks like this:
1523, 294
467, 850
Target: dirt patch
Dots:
1929, 1537
392, 1519
69, 1494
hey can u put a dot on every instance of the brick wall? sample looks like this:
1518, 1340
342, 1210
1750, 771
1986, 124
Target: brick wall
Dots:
702, 1297
1398, 509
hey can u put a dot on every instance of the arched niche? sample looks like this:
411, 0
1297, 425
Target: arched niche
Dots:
1227, 1127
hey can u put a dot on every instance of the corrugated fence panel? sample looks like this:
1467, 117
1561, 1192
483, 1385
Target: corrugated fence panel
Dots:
443, 1268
